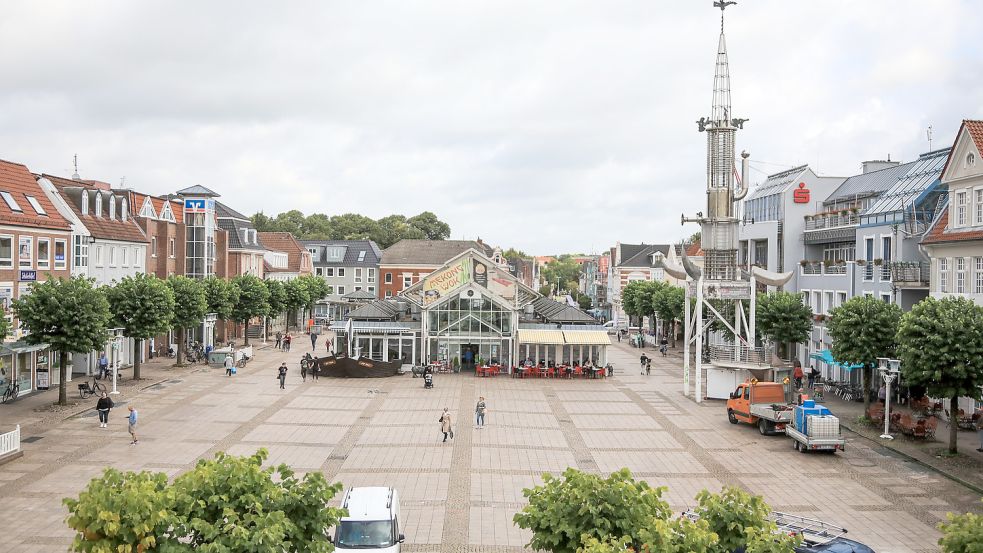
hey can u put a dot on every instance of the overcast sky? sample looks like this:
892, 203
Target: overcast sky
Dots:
547, 126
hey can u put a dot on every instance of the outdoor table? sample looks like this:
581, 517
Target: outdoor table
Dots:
521, 371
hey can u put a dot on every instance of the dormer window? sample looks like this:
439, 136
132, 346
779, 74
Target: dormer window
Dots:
122, 209
970, 159
98, 204
85, 202
112, 207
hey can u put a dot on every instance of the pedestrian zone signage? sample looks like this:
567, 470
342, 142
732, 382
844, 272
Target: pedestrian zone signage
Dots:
723, 290
28, 276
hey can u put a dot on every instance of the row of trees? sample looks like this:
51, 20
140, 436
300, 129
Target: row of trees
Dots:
352, 226
647, 298
73, 315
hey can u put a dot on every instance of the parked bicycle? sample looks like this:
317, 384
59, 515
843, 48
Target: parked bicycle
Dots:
89, 389
10, 394
166, 351
243, 360
194, 353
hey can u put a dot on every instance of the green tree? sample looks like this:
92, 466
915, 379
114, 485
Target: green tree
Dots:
513, 253
262, 222
190, 306
394, 228
143, 306
277, 302
352, 226
630, 302
546, 290
565, 512
69, 314
670, 306
220, 296
292, 221
729, 514
863, 329
296, 297
432, 227
784, 319
317, 290
962, 533
317, 226
4, 323
561, 273
940, 344
678, 535
253, 301
225, 504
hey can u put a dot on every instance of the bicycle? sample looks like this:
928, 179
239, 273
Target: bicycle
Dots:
87, 389
10, 394
243, 360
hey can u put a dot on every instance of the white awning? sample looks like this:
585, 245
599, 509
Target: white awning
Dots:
548, 337
587, 337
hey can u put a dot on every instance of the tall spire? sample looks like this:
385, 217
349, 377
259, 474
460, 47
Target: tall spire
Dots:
721, 82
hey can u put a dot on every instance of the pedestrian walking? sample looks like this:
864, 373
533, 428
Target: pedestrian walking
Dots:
279, 340
797, 374
303, 372
286, 342
328, 346
131, 425
479, 413
445, 424
619, 336
813, 376
103, 365
103, 406
281, 374
315, 368
229, 365
648, 367
642, 360
313, 340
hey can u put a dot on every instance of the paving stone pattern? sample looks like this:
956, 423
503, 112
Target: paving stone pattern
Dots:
461, 496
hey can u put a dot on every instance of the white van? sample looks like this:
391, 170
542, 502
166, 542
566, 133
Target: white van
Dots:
372, 523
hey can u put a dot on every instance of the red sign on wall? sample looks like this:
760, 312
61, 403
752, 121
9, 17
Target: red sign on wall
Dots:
801, 194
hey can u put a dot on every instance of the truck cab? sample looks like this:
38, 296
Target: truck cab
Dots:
372, 523
759, 403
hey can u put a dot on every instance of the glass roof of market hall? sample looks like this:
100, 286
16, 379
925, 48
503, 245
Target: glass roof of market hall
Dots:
918, 184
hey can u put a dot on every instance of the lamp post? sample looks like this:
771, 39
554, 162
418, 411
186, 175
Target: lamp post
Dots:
117, 334
890, 369
208, 331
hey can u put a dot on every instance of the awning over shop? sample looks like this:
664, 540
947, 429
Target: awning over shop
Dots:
826, 356
21, 346
587, 337
375, 327
548, 337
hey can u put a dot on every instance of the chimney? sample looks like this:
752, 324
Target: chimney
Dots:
878, 164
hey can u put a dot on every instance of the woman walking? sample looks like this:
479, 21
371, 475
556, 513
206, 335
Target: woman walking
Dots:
445, 424
479, 413
103, 406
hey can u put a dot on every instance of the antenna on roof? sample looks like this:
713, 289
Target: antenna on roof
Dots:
75, 162
928, 134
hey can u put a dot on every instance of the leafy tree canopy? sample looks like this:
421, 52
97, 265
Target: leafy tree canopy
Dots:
563, 271
352, 226
670, 303
513, 253
253, 298
225, 504
277, 297
221, 296
863, 329
432, 227
4, 323
316, 289
70, 314
190, 302
142, 305
783, 317
296, 294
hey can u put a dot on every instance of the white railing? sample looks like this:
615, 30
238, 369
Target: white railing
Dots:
742, 354
10, 442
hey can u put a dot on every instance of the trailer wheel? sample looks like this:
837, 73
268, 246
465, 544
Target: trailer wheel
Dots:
731, 417
763, 427
803, 448
795, 444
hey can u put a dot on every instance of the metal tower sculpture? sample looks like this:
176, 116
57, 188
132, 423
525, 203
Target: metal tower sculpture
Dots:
721, 277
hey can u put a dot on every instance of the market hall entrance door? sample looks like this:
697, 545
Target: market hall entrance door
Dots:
469, 355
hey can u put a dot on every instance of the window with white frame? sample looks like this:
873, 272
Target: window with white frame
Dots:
6, 251
44, 254
817, 301
112, 256
978, 205
407, 281
886, 298
319, 271
960, 275
85, 202
166, 214
389, 278
8, 198
35, 205
341, 271
978, 288
961, 198
341, 290
828, 302
170, 248
148, 209
98, 210
153, 246
371, 275
25, 252
840, 298
124, 256
138, 255
80, 245
805, 299
61, 254
329, 271
389, 293
123, 210
943, 274
371, 289
869, 258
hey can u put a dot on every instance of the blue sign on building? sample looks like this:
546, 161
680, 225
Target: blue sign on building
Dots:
194, 206
28, 276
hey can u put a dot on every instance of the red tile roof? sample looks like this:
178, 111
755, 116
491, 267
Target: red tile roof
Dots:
176, 207
975, 129
694, 250
101, 226
940, 232
284, 242
16, 179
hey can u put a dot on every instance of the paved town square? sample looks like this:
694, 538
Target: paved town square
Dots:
461, 496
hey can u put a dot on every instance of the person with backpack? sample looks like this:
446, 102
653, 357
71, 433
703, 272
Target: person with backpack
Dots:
643, 359
282, 374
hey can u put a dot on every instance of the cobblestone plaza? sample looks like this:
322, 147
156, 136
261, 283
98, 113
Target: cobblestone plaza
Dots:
461, 496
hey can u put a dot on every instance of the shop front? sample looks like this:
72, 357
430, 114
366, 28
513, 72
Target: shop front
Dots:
30, 366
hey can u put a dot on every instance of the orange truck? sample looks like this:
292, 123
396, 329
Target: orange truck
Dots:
762, 404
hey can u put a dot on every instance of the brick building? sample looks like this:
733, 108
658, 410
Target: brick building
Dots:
407, 261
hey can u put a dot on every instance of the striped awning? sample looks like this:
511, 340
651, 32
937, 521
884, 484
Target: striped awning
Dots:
548, 337
587, 337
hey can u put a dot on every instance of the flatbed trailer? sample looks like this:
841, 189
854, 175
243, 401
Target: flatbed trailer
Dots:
804, 443
773, 418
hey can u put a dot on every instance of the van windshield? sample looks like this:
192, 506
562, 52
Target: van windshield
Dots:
365, 534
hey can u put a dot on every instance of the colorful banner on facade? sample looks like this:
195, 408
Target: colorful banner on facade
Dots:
439, 284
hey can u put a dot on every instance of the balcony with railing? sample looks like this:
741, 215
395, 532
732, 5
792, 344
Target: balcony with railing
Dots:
830, 227
911, 274
729, 355
823, 267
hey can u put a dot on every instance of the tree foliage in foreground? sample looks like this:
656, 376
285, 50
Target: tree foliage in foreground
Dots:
228, 503
143, 306
940, 344
69, 314
585, 513
962, 533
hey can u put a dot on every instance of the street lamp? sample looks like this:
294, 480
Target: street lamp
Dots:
890, 369
208, 331
117, 334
